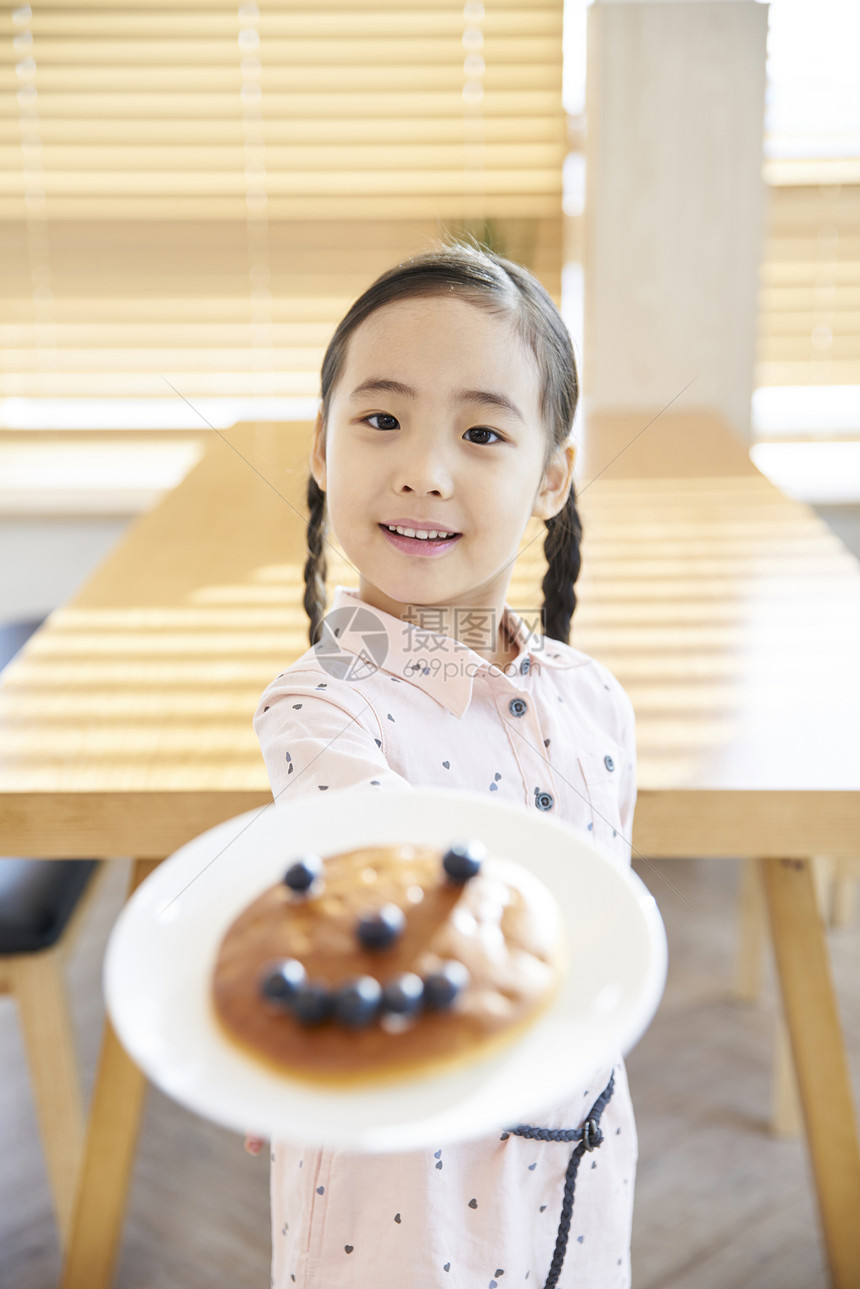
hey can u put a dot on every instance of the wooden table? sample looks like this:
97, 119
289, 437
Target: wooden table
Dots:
125, 727
732, 617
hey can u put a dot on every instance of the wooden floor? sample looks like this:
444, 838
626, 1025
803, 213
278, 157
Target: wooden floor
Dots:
719, 1202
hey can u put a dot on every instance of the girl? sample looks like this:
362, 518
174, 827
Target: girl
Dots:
448, 395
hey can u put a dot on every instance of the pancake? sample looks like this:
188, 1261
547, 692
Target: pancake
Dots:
500, 924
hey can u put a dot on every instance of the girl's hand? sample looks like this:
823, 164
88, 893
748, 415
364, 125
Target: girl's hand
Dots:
253, 1145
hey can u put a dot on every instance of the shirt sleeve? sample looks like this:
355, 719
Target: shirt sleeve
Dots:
320, 736
620, 724
627, 788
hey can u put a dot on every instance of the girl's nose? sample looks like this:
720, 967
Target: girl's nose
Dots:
424, 470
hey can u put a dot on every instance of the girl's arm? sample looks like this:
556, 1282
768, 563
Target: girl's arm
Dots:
320, 735
318, 739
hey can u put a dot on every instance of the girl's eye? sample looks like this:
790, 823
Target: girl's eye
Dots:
393, 424
482, 429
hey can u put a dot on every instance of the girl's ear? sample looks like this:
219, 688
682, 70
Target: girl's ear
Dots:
317, 458
556, 483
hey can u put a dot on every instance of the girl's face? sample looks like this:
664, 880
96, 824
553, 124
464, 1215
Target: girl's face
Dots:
414, 435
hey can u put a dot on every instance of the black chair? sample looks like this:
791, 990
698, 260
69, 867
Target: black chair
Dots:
41, 901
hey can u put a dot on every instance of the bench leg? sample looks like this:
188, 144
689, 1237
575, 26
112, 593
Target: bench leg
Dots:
812, 1018
46, 1026
108, 1158
751, 934
786, 1116
844, 892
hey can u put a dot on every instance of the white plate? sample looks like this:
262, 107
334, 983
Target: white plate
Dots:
163, 947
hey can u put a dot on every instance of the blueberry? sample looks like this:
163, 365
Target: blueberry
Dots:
442, 987
380, 929
282, 981
312, 1003
302, 872
403, 994
357, 1002
463, 859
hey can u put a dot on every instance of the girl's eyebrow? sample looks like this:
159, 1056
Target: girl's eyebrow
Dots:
378, 385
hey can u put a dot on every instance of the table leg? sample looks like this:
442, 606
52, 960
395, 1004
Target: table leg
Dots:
809, 1004
108, 1156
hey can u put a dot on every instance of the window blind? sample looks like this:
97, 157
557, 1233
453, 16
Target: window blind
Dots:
809, 315
195, 192
809, 296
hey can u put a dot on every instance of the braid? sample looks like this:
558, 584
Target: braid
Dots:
564, 559
315, 566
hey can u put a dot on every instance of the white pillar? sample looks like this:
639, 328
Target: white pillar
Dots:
674, 204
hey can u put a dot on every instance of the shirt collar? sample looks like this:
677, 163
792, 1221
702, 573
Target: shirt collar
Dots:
444, 668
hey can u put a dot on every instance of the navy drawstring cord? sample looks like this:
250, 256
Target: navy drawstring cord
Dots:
588, 1137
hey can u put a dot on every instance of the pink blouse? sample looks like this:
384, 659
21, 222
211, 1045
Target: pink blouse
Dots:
384, 703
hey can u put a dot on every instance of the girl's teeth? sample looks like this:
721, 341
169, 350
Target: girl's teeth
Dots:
422, 536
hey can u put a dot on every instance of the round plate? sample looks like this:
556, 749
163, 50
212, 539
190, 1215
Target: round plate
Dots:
162, 950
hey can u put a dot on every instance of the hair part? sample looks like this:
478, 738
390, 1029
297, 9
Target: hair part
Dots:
488, 280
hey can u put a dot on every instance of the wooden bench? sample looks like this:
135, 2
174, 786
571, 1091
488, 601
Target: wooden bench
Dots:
41, 906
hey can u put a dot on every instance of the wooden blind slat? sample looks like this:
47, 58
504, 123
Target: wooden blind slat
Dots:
232, 8
364, 130
445, 207
340, 21
142, 55
317, 80
311, 182
336, 106
287, 161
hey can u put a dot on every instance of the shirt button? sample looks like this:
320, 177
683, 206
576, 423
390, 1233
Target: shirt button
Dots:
544, 800
517, 707
524, 666
609, 763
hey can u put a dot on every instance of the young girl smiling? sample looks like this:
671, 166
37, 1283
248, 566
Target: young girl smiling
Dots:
448, 396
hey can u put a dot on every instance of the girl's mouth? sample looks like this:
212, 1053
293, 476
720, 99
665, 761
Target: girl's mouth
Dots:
420, 545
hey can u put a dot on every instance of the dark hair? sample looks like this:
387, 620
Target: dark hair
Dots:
485, 279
